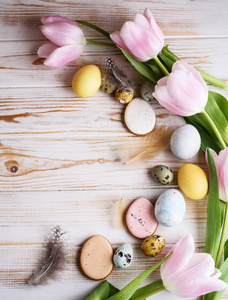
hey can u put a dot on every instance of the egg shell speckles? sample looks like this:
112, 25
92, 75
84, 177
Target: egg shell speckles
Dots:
185, 142
123, 256
153, 245
140, 218
96, 257
139, 117
162, 174
170, 208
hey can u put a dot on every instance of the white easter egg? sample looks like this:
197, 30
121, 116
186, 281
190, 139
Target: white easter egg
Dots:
170, 208
185, 142
123, 256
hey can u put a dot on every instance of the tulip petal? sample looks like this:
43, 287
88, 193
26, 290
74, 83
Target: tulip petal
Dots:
154, 25
182, 253
51, 19
199, 287
64, 55
221, 162
186, 91
199, 265
46, 49
162, 96
116, 38
182, 65
63, 33
141, 20
141, 42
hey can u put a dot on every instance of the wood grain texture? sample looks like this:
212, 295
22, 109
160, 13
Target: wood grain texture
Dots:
60, 155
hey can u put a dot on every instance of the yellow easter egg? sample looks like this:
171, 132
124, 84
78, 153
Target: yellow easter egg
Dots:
87, 81
192, 181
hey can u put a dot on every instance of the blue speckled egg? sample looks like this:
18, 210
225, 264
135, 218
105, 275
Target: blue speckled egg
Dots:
123, 256
170, 208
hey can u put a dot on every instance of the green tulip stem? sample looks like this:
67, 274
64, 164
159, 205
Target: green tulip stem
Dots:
100, 43
213, 80
220, 139
146, 295
223, 237
161, 66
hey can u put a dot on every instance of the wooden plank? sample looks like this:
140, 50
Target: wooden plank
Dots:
49, 164
20, 20
20, 66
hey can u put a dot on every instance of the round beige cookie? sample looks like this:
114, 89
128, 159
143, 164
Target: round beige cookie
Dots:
96, 257
139, 117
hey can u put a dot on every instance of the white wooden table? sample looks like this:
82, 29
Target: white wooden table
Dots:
69, 172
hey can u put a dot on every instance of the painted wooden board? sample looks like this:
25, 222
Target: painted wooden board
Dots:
61, 157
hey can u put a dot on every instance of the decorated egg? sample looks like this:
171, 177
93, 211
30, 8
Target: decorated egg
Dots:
87, 81
170, 208
123, 256
185, 142
124, 96
153, 245
192, 181
146, 90
162, 174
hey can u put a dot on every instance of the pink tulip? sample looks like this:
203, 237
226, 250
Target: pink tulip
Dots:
183, 92
142, 37
187, 274
67, 41
221, 163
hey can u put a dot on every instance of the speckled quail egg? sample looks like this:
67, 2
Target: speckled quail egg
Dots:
146, 90
162, 174
123, 256
153, 245
124, 96
108, 85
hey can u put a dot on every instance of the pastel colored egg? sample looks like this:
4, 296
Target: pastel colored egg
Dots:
146, 90
124, 96
170, 208
162, 174
153, 245
123, 256
87, 81
185, 142
96, 257
140, 218
139, 117
192, 181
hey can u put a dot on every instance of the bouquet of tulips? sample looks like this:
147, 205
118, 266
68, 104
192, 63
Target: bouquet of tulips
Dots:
181, 89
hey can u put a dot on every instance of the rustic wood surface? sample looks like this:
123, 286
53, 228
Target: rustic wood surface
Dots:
67, 149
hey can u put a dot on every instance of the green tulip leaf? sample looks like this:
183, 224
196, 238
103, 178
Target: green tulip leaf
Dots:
214, 223
154, 68
206, 140
140, 67
98, 29
226, 250
131, 288
103, 291
167, 61
222, 103
218, 117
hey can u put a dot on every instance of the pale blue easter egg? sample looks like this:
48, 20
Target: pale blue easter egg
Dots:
170, 208
123, 256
